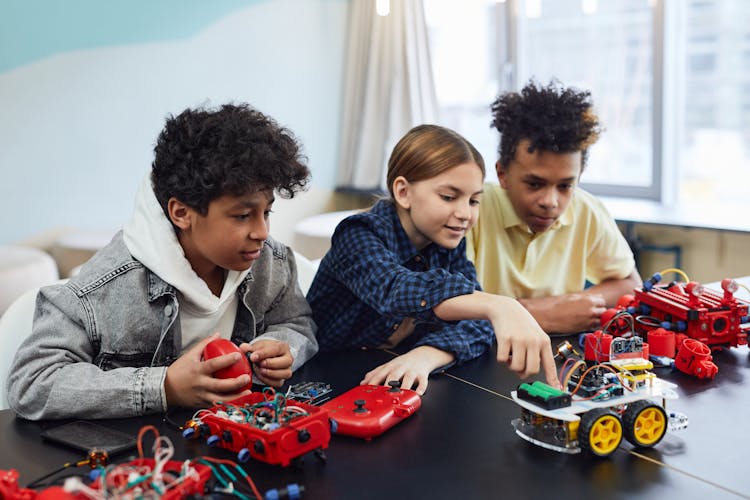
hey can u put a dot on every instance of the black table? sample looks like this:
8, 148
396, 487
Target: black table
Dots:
461, 444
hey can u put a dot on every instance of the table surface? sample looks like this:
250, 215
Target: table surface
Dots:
460, 444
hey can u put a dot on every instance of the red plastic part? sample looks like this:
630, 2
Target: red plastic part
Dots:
191, 485
662, 342
9, 489
694, 358
220, 347
596, 346
278, 446
712, 318
625, 301
57, 493
367, 411
620, 327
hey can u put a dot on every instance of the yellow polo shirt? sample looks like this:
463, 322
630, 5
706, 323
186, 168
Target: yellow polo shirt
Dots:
583, 244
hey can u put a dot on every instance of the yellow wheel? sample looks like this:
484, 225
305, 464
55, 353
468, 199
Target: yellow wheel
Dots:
600, 432
645, 423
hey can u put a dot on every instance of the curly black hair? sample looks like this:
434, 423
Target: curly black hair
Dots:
551, 117
203, 154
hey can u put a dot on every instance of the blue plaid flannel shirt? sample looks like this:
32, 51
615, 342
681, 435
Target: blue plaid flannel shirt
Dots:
373, 278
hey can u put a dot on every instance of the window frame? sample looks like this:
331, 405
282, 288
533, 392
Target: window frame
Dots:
662, 187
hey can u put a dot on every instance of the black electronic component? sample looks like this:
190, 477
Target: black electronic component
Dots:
312, 393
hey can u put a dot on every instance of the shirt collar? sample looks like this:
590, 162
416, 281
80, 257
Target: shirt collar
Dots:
405, 249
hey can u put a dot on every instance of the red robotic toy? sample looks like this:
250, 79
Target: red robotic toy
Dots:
670, 315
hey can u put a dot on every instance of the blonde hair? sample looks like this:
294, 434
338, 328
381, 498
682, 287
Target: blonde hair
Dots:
429, 150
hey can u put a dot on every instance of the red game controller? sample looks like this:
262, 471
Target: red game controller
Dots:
367, 411
219, 347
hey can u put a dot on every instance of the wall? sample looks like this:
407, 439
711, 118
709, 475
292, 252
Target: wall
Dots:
707, 255
85, 86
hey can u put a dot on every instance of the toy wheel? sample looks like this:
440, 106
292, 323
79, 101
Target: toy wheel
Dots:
600, 432
645, 423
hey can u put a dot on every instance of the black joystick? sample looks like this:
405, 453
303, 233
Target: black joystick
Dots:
395, 386
360, 403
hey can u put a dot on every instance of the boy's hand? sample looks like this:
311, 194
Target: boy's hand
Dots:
272, 361
411, 368
569, 313
190, 381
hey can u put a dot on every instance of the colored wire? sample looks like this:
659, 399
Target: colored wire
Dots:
676, 271
606, 367
619, 315
599, 393
743, 286
237, 468
143, 481
648, 321
143, 431
569, 375
38, 482
167, 419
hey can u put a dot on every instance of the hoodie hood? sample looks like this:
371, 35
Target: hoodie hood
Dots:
151, 238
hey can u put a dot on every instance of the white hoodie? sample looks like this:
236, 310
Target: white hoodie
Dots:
150, 238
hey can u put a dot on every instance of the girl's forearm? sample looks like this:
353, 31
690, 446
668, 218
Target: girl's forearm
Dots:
477, 305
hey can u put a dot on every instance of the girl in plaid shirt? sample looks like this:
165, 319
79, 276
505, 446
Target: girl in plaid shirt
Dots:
398, 273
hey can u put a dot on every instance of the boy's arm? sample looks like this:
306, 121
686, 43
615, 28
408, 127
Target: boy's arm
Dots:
612, 289
290, 320
609, 262
53, 375
579, 311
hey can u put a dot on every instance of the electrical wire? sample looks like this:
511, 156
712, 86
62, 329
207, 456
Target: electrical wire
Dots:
621, 314
144, 481
211, 460
36, 483
743, 286
676, 271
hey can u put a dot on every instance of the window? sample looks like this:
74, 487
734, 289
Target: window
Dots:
714, 147
669, 80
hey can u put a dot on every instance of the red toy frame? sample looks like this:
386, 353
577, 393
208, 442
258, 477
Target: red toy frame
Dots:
279, 445
367, 411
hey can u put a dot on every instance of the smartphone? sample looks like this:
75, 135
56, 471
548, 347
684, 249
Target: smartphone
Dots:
84, 436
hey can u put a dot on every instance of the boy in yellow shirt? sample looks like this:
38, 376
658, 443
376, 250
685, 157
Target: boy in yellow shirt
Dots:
539, 236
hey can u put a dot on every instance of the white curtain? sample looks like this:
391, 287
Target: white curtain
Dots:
389, 88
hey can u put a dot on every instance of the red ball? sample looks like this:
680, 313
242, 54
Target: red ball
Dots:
220, 347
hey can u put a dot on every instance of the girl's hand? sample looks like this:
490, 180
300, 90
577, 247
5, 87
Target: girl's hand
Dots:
522, 343
411, 368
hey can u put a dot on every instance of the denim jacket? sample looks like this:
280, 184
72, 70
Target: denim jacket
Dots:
101, 342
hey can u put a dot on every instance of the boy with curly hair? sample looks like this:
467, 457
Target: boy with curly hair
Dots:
539, 236
124, 337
